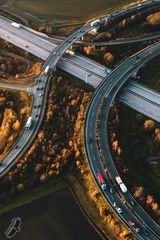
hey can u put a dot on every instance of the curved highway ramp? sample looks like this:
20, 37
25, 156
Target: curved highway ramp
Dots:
79, 66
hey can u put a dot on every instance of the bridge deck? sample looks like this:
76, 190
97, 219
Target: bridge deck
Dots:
134, 95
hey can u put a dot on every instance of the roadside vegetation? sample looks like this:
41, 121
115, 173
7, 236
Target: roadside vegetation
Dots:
17, 66
140, 24
15, 108
111, 56
135, 142
59, 144
53, 148
129, 27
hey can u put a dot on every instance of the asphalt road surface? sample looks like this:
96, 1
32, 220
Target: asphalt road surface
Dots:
96, 144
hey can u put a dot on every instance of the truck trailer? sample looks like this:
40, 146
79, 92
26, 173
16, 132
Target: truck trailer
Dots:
121, 184
101, 181
29, 123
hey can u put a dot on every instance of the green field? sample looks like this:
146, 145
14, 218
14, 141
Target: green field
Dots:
57, 11
53, 217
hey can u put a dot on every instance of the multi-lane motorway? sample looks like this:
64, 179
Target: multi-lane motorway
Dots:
40, 93
95, 146
41, 45
77, 65
143, 99
135, 96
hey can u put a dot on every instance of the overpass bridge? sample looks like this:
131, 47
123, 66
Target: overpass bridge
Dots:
139, 97
135, 96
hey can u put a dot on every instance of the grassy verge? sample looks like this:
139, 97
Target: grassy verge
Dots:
15, 110
33, 194
20, 82
150, 74
77, 82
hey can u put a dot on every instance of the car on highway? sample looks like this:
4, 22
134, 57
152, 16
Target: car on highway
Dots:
70, 52
107, 70
46, 70
132, 224
14, 147
101, 181
95, 23
118, 209
136, 229
135, 75
16, 25
111, 190
29, 123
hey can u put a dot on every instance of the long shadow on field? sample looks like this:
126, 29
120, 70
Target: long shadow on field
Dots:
55, 217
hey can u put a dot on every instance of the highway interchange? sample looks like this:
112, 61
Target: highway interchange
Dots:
108, 88
79, 66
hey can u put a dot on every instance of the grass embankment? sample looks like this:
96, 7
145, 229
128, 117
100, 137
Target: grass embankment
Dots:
150, 74
134, 141
39, 25
18, 67
15, 108
32, 195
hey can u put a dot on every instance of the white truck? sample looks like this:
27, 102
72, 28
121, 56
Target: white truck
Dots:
16, 25
70, 52
29, 123
121, 184
95, 23
46, 70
